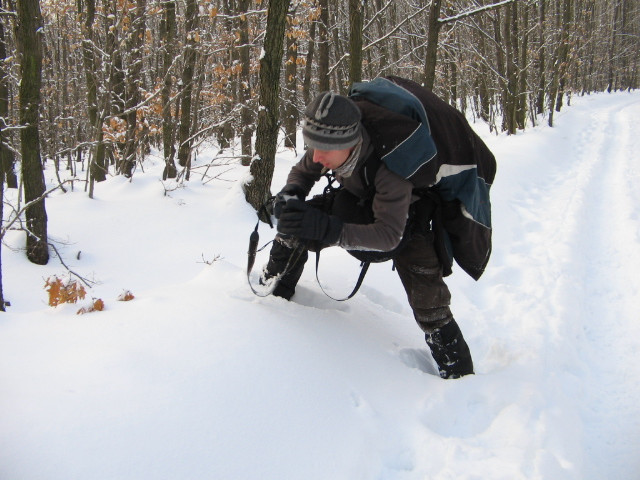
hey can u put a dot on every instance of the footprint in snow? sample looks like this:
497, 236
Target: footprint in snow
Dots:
419, 359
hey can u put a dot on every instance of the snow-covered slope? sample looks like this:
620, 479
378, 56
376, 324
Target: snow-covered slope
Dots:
197, 378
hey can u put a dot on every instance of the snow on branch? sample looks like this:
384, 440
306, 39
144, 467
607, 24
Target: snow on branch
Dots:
462, 15
397, 27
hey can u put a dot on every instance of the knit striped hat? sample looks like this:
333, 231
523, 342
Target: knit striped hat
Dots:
331, 122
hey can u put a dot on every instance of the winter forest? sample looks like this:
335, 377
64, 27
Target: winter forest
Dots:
91, 86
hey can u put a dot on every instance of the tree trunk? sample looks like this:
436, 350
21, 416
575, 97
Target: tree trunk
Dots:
617, 13
356, 18
431, 55
291, 81
168, 36
134, 81
339, 84
257, 192
500, 62
97, 166
229, 56
521, 109
381, 24
482, 80
116, 105
184, 132
4, 110
542, 55
308, 67
7, 159
2, 302
511, 91
323, 47
560, 59
246, 115
29, 37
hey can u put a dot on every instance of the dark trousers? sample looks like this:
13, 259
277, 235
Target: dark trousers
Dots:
421, 274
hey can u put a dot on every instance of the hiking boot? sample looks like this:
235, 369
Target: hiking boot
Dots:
450, 351
280, 261
282, 289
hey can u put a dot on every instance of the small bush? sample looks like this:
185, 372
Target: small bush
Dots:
126, 296
96, 306
63, 292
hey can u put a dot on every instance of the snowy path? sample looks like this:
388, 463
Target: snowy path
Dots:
606, 290
579, 246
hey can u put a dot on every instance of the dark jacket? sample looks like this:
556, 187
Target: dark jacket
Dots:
432, 150
390, 204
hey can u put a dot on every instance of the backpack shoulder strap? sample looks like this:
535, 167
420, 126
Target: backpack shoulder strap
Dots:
368, 174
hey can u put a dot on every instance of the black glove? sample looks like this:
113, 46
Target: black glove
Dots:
290, 190
302, 221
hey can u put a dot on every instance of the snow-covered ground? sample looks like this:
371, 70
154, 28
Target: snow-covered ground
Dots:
197, 378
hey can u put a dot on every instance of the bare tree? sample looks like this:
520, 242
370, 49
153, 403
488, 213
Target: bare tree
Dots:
356, 19
168, 35
246, 115
7, 157
560, 59
135, 40
3, 115
323, 47
29, 37
190, 53
257, 192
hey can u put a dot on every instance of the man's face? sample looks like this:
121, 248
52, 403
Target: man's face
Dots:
331, 159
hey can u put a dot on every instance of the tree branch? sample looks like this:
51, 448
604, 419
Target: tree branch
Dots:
19, 213
88, 283
484, 8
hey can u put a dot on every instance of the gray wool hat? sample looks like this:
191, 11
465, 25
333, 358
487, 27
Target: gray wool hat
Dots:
331, 122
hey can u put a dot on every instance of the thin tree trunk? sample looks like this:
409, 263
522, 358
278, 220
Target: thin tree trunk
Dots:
184, 148
560, 59
7, 159
291, 81
168, 35
482, 80
500, 64
338, 50
431, 55
4, 110
97, 167
257, 192
308, 67
511, 91
542, 55
323, 47
246, 115
356, 18
521, 109
134, 80
617, 12
29, 37
2, 301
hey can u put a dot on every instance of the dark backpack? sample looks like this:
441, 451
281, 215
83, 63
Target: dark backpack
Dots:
428, 142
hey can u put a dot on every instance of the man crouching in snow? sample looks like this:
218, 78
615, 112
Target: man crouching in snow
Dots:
381, 215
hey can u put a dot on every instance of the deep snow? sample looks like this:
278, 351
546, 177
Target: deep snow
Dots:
197, 378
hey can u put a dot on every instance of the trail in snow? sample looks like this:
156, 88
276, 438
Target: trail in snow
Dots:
578, 247
607, 245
